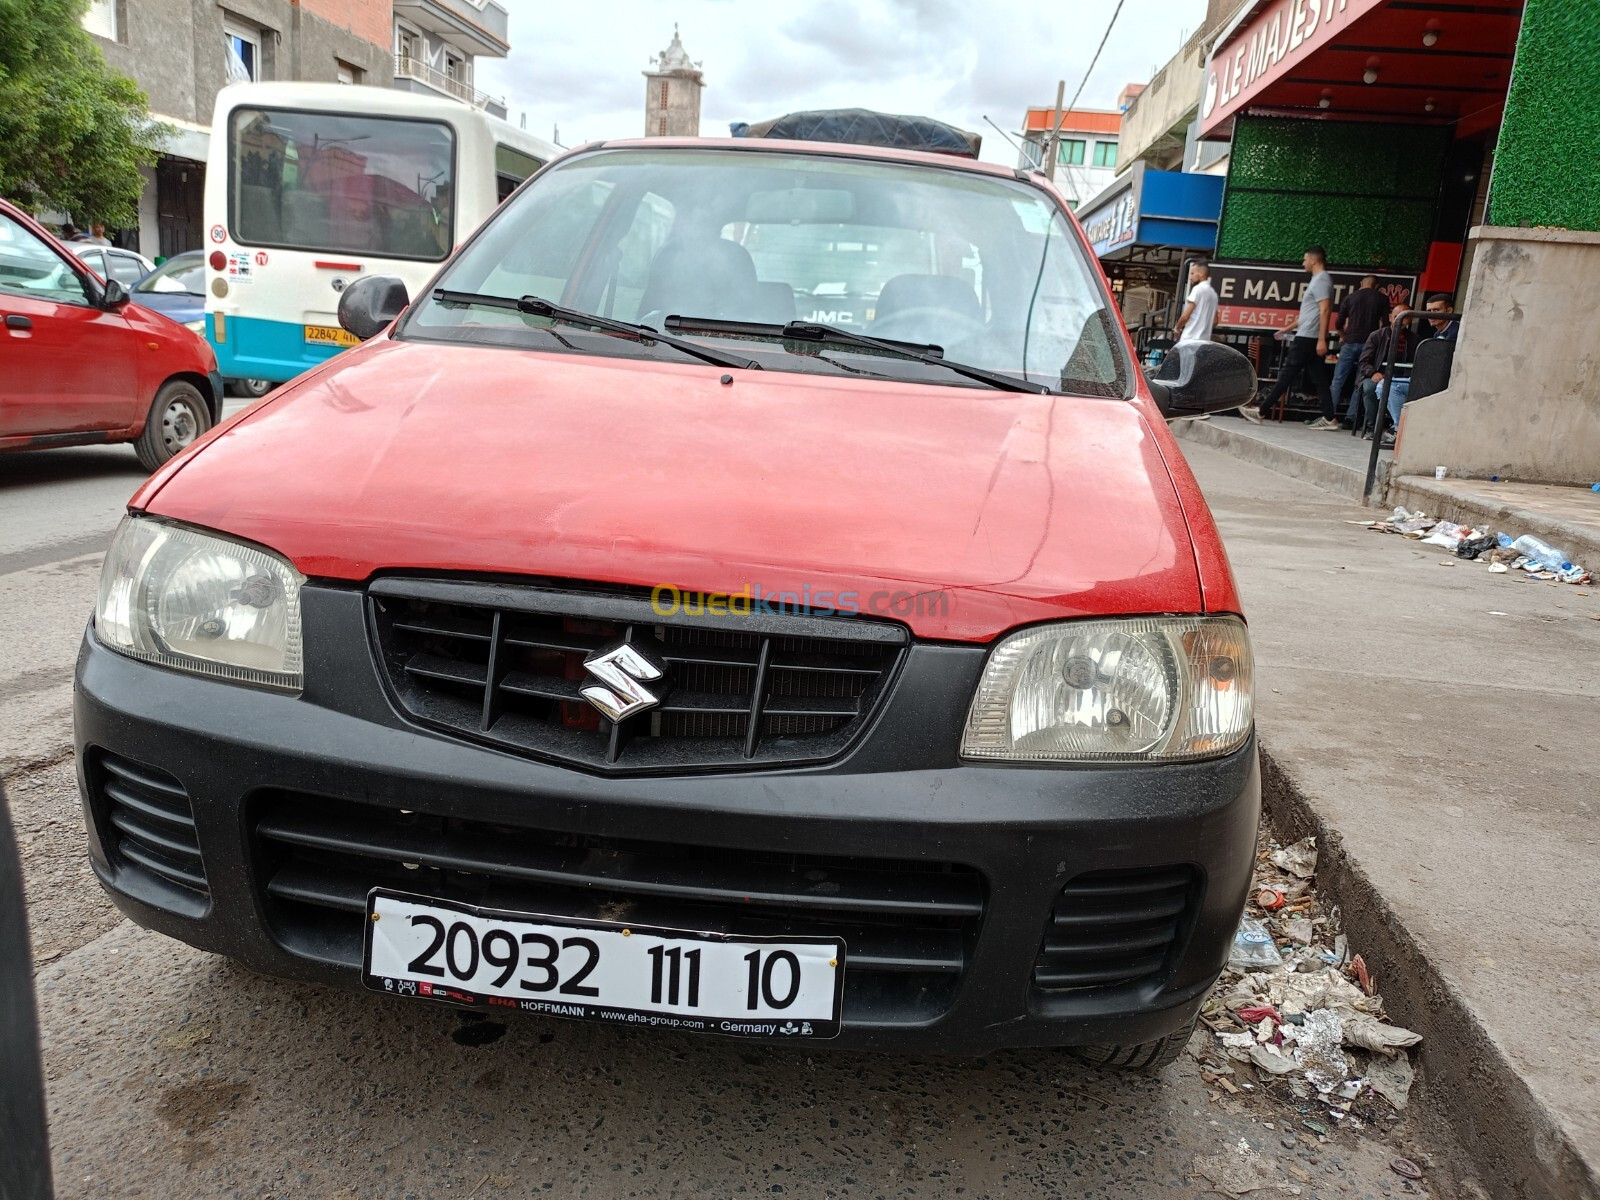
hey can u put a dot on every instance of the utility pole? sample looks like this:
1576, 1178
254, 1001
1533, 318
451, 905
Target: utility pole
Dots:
1056, 118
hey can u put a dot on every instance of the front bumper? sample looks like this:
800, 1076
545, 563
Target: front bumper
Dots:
299, 804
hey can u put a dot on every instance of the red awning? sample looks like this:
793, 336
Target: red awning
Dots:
1427, 60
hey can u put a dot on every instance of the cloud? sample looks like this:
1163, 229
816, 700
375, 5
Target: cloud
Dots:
580, 66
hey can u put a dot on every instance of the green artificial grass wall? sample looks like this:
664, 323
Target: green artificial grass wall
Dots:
1546, 170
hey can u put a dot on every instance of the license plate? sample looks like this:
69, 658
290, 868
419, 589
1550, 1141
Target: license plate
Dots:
330, 335
603, 971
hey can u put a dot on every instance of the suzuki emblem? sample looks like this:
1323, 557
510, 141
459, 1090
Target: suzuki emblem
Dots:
622, 670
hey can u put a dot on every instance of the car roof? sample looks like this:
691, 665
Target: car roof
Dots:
833, 149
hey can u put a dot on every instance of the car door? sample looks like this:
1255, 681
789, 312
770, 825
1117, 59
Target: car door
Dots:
70, 365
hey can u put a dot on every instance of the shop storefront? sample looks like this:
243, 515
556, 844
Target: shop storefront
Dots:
1144, 227
1447, 141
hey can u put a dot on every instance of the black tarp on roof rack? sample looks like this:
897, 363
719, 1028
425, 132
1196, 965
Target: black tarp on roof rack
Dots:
863, 127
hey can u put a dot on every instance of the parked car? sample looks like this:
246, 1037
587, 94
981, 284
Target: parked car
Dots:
127, 267
177, 290
84, 365
598, 640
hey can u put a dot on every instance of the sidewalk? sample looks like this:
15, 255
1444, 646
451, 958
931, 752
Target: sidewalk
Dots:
1567, 517
1435, 725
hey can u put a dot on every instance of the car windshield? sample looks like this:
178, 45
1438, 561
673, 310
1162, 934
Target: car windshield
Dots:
184, 275
986, 268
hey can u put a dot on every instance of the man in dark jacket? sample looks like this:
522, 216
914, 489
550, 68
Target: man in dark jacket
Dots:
1362, 313
1369, 371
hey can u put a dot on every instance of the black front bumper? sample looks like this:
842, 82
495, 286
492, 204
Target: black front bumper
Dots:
299, 804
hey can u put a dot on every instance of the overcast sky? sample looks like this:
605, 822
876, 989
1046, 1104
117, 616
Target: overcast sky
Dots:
578, 66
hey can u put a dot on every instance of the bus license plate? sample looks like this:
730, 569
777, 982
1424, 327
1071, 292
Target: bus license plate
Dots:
330, 335
603, 971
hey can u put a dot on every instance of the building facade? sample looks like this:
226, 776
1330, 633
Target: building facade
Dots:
182, 52
437, 44
1466, 128
1086, 148
672, 93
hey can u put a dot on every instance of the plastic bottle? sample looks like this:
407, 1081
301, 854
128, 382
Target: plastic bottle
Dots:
1542, 552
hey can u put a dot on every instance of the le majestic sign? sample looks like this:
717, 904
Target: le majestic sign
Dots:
1257, 297
1250, 56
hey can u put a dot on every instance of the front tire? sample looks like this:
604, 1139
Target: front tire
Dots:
1146, 1058
178, 415
252, 389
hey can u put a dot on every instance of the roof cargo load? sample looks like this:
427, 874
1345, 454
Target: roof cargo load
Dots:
863, 127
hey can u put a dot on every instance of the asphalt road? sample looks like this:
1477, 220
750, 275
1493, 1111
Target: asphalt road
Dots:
173, 1073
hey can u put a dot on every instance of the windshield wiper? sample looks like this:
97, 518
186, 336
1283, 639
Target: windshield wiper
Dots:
535, 307
808, 331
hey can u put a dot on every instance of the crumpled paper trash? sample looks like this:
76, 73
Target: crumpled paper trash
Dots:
1299, 859
1300, 993
1391, 1078
1369, 1033
1242, 1172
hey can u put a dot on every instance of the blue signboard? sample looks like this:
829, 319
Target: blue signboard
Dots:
1154, 208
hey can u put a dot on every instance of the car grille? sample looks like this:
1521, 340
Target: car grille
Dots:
504, 664
147, 823
909, 927
1112, 928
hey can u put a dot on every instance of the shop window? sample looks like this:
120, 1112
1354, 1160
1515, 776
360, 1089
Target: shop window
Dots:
1105, 154
1071, 152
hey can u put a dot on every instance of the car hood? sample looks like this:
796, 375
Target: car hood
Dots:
961, 511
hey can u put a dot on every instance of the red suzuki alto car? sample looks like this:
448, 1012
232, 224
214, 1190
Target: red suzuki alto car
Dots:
83, 365
751, 591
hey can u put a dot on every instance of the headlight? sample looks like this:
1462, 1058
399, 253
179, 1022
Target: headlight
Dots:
198, 326
1135, 689
185, 599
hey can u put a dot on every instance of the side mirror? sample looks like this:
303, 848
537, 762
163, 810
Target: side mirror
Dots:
369, 305
114, 295
1202, 377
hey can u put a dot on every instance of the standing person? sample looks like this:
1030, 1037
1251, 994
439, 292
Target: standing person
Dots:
1310, 344
1200, 311
1363, 312
97, 234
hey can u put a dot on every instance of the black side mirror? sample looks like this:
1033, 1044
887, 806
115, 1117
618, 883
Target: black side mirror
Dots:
114, 295
1202, 377
369, 305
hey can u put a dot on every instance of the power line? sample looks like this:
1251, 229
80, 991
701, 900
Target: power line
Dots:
1061, 117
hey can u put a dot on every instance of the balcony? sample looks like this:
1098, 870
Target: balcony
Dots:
476, 26
415, 71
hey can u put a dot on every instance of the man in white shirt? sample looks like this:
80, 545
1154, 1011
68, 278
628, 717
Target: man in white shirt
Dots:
1200, 312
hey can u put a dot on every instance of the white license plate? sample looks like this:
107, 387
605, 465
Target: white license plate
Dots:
603, 971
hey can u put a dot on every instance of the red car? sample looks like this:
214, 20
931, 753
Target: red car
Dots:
84, 365
751, 591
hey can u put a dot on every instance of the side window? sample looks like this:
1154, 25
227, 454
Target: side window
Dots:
652, 225
125, 268
95, 261
29, 267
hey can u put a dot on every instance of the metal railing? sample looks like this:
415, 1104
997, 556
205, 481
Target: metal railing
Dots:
408, 67
1382, 391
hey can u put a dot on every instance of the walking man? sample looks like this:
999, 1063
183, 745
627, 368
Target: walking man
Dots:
1363, 312
1200, 312
1310, 345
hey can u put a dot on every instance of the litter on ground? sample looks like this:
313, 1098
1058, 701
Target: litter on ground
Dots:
1502, 553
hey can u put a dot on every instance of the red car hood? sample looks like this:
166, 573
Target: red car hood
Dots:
992, 508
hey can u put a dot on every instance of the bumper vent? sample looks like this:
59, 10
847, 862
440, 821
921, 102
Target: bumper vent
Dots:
1113, 928
505, 664
147, 823
909, 926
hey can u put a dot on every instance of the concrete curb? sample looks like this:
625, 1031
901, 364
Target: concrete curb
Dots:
1444, 501
1335, 478
1518, 1148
